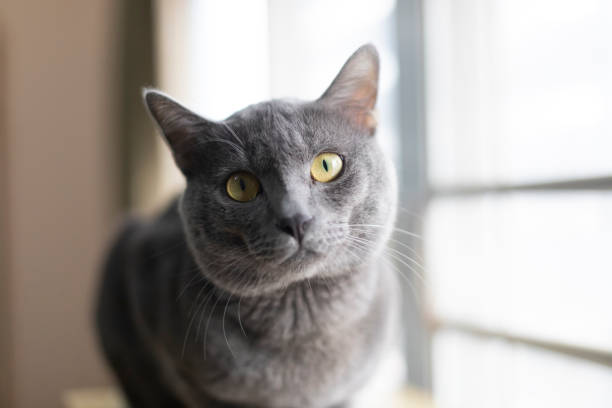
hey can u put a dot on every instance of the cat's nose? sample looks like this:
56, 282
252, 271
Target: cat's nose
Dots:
295, 226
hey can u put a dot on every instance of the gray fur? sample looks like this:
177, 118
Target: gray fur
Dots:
211, 304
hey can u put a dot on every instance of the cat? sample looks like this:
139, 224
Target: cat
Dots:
263, 284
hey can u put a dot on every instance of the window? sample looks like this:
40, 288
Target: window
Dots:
518, 228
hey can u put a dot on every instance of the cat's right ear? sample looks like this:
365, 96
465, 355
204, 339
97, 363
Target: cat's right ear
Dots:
355, 88
181, 127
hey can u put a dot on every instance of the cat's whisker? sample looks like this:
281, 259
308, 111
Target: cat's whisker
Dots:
411, 213
233, 133
196, 301
412, 250
266, 250
194, 312
407, 257
239, 320
202, 311
407, 265
398, 242
232, 264
369, 244
188, 284
406, 279
309, 284
202, 305
401, 274
223, 327
354, 245
167, 249
234, 146
395, 251
395, 229
207, 325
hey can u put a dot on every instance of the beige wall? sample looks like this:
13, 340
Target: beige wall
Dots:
59, 202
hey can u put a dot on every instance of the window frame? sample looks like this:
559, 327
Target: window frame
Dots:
416, 192
413, 188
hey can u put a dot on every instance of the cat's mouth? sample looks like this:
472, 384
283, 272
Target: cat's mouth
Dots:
287, 252
301, 254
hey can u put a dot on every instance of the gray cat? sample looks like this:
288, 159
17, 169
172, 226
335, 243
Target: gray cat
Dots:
263, 284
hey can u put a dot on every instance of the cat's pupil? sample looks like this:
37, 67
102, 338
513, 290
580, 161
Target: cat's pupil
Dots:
242, 186
325, 165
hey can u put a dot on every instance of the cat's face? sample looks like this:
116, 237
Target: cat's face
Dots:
262, 208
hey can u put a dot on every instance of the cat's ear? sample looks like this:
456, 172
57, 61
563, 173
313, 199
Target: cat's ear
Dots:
355, 88
181, 127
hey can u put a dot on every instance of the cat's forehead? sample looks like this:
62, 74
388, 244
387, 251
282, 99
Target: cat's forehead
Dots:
287, 126
270, 122
281, 137
275, 130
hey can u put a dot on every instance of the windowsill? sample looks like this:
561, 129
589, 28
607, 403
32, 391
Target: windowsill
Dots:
109, 398
413, 398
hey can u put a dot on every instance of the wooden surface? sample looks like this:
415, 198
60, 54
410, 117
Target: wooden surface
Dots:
413, 398
110, 398
93, 398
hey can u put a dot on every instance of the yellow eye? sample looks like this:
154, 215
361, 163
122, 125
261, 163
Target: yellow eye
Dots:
326, 167
242, 186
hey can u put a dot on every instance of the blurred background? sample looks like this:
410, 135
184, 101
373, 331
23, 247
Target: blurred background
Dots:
497, 114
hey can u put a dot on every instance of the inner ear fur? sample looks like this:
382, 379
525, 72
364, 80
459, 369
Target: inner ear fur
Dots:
355, 88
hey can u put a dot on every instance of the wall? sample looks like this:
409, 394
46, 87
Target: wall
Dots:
59, 202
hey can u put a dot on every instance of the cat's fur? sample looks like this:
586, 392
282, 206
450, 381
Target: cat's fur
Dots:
213, 305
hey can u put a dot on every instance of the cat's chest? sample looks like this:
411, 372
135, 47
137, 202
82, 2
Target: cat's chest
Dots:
302, 351
309, 372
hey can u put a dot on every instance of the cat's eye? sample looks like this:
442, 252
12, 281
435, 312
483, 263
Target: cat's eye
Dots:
326, 167
242, 186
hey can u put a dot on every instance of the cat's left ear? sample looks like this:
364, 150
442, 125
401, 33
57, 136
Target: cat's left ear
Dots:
355, 88
181, 127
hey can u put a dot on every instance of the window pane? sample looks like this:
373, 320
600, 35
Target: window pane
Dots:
533, 264
518, 91
480, 373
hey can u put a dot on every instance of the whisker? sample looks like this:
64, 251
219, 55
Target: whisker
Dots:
202, 305
395, 229
400, 273
413, 289
193, 278
223, 327
394, 250
411, 213
370, 244
207, 325
167, 249
233, 133
416, 273
233, 145
397, 241
240, 321
192, 319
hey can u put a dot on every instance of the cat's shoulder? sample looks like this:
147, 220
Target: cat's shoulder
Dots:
149, 235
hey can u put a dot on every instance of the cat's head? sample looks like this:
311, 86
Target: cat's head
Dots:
284, 191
